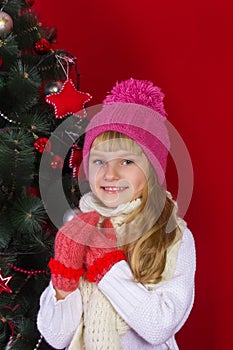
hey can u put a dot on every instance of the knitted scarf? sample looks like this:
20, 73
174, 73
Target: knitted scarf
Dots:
101, 325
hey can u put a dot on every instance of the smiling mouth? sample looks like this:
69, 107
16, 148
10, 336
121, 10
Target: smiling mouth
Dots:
113, 189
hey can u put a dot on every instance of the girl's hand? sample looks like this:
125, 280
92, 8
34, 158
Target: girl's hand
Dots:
67, 265
102, 252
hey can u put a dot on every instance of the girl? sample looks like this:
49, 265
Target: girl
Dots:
123, 271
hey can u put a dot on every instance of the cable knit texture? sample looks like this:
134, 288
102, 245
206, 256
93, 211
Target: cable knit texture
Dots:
67, 267
102, 265
101, 324
100, 258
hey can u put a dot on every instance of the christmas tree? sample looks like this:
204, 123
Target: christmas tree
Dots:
37, 94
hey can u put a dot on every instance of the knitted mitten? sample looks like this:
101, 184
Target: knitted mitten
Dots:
102, 253
67, 265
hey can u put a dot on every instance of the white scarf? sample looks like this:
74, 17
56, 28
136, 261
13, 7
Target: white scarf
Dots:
89, 202
99, 316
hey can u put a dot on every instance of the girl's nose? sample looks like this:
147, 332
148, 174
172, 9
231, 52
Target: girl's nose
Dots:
110, 172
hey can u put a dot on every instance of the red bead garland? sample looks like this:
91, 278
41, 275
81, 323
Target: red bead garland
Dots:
27, 272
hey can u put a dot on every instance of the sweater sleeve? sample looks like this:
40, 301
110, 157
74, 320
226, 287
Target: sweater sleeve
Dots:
156, 315
58, 319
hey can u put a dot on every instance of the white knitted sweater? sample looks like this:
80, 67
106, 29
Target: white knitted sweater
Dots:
121, 314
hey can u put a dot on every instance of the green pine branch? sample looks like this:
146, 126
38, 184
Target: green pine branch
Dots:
38, 120
17, 159
27, 30
9, 51
28, 215
6, 231
23, 83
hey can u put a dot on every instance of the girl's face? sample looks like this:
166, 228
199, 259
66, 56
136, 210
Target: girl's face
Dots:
117, 177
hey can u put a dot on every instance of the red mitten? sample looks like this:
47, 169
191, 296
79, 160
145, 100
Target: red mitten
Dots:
102, 253
67, 265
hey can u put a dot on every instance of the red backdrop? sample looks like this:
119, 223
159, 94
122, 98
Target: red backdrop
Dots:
186, 49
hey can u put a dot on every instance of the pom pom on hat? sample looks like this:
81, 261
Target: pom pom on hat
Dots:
142, 92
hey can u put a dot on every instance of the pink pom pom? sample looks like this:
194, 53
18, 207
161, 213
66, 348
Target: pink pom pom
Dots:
142, 92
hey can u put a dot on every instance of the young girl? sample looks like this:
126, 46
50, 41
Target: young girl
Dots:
123, 271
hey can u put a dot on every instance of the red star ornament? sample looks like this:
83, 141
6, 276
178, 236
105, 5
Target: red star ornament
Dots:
4, 284
68, 100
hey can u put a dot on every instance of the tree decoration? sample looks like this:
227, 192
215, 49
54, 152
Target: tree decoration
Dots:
42, 144
5, 117
4, 283
75, 160
42, 46
32, 191
70, 214
26, 272
67, 57
53, 87
1, 62
68, 100
57, 162
38, 343
30, 2
6, 23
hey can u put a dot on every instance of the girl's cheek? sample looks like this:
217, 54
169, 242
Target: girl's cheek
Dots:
93, 174
92, 185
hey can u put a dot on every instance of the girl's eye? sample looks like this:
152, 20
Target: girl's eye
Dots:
98, 162
127, 162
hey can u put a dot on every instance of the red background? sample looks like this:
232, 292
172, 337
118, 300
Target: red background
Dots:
186, 49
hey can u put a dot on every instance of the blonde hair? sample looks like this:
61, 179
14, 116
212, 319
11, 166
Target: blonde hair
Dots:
155, 220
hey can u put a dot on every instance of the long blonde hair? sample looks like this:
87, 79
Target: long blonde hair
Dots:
155, 219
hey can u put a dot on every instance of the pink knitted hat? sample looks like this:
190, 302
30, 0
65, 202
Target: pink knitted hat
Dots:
134, 108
